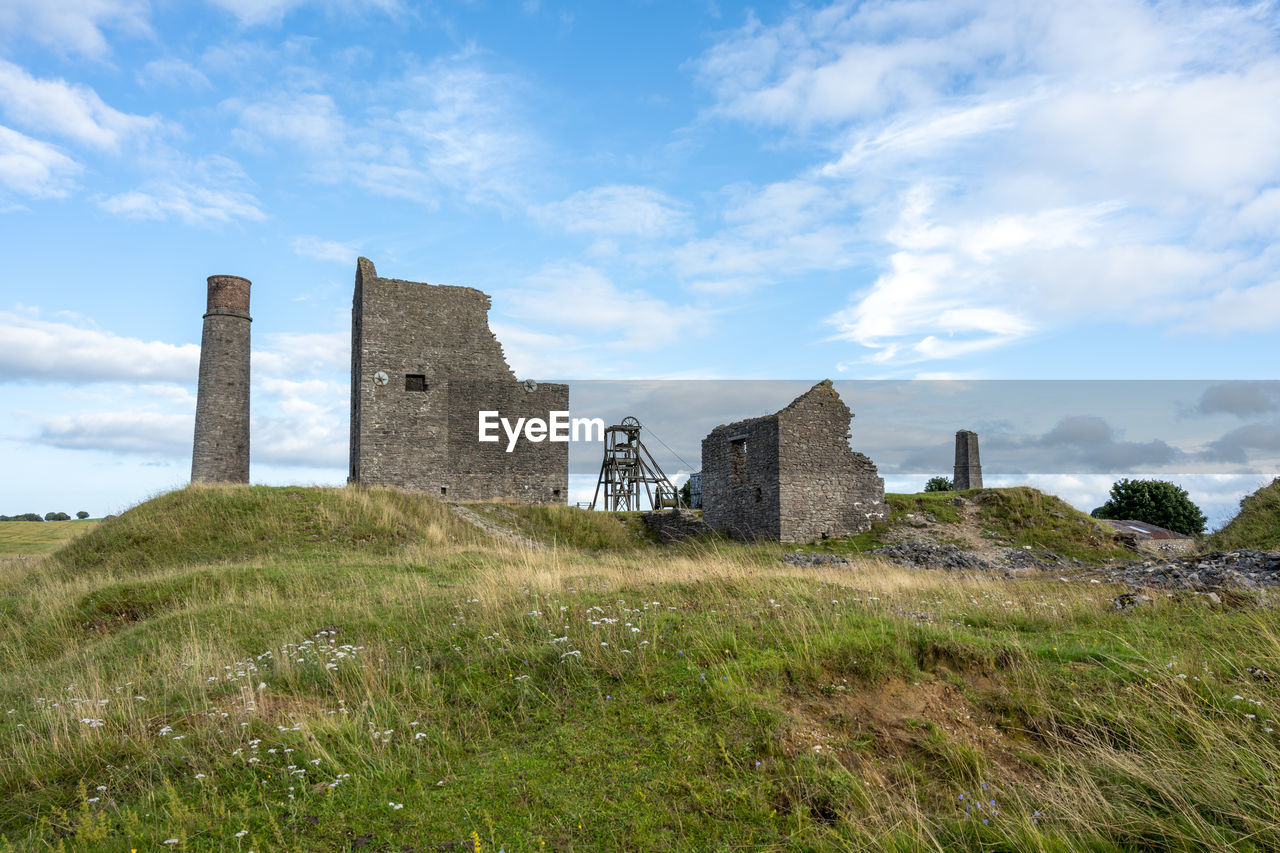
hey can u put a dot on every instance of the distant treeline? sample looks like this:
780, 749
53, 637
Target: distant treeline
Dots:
48, 516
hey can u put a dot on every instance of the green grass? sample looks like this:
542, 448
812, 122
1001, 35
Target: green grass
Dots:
1012, 517
1025, 516
217, 524
167, 679
1256, 526
28, 538
566, 526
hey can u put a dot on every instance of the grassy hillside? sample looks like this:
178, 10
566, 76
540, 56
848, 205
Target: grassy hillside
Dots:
1257, 525
222, 524
386, 679
26, 538
1011, 517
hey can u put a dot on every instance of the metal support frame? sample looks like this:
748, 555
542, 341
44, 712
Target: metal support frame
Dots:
628, 470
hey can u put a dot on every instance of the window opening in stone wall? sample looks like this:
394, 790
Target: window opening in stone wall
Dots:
444, 490
415, 382
759, 495
737, 461
555, 493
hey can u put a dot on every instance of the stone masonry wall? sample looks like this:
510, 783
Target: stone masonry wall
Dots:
740, 479
220, 450
790, 476
827, 489
968, 467
442, 365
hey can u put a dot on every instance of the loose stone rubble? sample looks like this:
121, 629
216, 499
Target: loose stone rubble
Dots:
1239, 570
1243, 569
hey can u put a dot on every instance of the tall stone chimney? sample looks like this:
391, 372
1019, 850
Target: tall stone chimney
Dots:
221, 450
968, 473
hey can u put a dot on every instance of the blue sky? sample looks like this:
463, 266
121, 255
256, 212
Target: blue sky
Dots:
1053, 190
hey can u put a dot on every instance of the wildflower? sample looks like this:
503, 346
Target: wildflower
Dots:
242, 833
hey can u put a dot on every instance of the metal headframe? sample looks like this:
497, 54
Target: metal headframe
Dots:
628, 470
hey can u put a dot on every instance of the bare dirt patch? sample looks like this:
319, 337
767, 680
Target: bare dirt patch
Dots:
900, 719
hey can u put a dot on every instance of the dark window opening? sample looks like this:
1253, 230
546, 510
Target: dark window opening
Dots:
737, 461
444, 490
759, 495
555, 493
415, 382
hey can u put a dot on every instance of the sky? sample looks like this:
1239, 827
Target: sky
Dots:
649, 191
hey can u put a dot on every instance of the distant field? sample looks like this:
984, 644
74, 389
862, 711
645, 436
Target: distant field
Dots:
24, 538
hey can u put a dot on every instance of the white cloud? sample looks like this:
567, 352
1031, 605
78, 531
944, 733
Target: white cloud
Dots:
1058, 157
34, 168
173, 72
308, 246
73, 26
157, 434
39, 350
782, 229
308, 120
631, 318
272, 12
212, 191
616, 209
68, 109
1236, 309
451, 128
292, 354
194, 205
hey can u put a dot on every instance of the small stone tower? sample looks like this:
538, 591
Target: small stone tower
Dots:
221, 450
968, 474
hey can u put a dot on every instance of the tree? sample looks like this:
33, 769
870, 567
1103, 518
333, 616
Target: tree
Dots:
56, 516
939, 484
1157, 502
82, 514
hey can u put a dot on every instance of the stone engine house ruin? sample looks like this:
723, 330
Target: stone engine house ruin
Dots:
790, 476
424, 364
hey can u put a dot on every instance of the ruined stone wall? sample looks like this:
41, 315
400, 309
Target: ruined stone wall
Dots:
220, 450
441, 365
827, 489
790, 476
533, 472
740, 479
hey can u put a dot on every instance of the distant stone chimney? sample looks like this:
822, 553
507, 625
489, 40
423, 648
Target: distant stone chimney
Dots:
968, 473
220, 453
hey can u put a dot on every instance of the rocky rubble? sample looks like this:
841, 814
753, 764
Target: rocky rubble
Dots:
1243, 569
932, 555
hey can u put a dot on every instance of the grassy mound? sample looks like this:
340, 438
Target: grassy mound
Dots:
1009, 517
1022, 515
275, 691
219, 524
1256, 526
